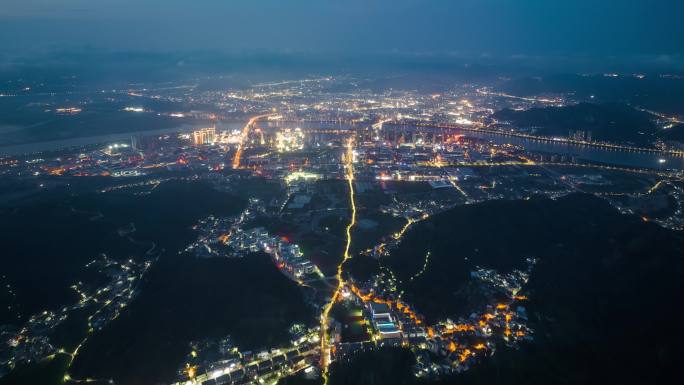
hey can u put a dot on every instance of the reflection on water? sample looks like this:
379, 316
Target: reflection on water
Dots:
589, 153
28, 148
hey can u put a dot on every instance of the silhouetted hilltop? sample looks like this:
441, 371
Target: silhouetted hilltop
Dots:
603, 296
609, 122
675, 133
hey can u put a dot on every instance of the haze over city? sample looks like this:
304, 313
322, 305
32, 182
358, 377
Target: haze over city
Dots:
472, 27
415, 192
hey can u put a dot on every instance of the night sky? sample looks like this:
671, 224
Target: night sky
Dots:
472, 27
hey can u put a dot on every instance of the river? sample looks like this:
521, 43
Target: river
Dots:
51, 145
588, 153
625, 158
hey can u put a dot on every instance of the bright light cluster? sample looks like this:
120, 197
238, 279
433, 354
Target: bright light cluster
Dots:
288, 140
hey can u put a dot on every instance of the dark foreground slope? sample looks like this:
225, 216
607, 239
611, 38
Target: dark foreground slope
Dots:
49, 240
186, 299
604, 296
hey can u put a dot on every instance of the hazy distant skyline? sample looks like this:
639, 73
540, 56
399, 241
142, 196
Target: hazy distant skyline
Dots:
473, 27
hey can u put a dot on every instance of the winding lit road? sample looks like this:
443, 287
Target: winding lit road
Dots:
325, 315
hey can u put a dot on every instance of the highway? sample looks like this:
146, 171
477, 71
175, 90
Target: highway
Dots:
243, 137
325, 315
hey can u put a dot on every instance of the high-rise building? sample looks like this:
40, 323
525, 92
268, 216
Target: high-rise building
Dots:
580, 135
135, 142
204, 136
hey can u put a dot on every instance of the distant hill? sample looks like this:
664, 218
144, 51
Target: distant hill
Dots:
656, 93
609, 122
675, 133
